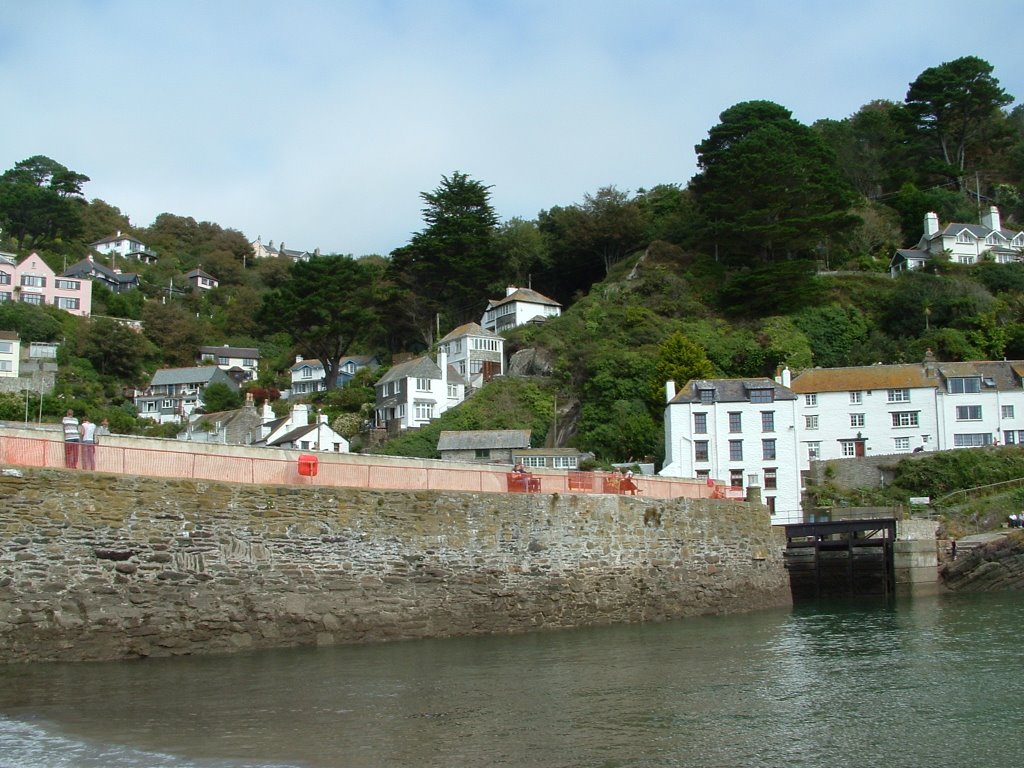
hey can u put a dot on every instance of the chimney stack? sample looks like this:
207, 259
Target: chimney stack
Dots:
931, 224
991, 219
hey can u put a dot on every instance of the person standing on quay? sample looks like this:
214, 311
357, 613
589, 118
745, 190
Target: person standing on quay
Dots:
71, 439
88, 432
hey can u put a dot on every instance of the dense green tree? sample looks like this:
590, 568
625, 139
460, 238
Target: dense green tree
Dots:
100, 219
955, 108
31, 323
769, 187
174, 329
678, 360
219, 397
328, 304
770, 289
522, 250
452, 264
37, 203
834, 333
113, 348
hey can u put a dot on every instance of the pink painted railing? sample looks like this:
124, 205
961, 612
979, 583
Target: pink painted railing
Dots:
332, 470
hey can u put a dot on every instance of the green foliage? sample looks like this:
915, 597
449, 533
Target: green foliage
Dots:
833, 332
328, 304
678, 360
944, 472
219, 397
37, 207
771, 289
30, 322
619, 429
113, 348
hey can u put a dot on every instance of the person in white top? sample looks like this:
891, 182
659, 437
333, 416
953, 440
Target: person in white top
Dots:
87, 430
71, 439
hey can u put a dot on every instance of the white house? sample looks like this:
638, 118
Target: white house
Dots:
518, 307
10, 355
270, 251
412, 393
296, 430
174, 393
866, 411
125, 246
980, 403
741, 432
308, 376
964, 243
200, 280
476, 353
240, 363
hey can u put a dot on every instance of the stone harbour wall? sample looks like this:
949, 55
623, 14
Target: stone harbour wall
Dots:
96, 566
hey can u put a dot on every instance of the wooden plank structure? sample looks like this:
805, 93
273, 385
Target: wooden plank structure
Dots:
846, 558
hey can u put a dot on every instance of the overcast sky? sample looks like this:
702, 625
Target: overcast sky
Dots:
320, 123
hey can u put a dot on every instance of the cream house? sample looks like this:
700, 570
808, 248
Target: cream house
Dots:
963, 243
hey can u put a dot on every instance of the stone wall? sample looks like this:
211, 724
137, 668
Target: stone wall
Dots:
96, 566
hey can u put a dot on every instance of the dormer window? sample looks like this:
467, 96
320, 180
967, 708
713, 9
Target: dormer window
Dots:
964, 237
707, 395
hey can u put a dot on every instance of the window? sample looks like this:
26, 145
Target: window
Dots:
167, 404
700, 423
899, 395
33, 281
6, 365
960, 385
32, 298
968, 413
901, 444
735, 450
223, 361
1007, 411
972, 440
904, 418
482, 453
735, 421
707, 396
564, 462
700, 450
453, 390
736, 478
423, 410
771, 478
532, 461
422, 385
769, 501
964, 237
856, 397
767, 421
67, 285
5, 296
5, 278
768, 450
848, 448
6, 347
487, 345
813, 451
249, 362
63, 303
762, 395
856, 420
811, 399
703, 475
811, 422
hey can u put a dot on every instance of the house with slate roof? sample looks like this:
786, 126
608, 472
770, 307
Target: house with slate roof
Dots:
174, 393
31, 281
240, 363
518, 307
298, 431
269, 251
200, 280
414, 392
741, 432
964, 243
125, 246
113, 279
485, 446
308, 376
476, 353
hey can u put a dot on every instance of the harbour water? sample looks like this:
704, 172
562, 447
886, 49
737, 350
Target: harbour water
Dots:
932, 681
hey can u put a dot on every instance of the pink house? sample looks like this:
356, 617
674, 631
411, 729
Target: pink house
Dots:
33, 282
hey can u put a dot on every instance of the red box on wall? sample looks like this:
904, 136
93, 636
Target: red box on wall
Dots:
308, 465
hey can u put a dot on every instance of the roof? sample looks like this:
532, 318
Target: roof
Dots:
1000, 375
116, 238
417, 368
88, 267
526, 295
230, 351
360, 361
299, 432
9, 335
730, 390
903, 376
199, 273
471, 329
483, 438
198, 374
